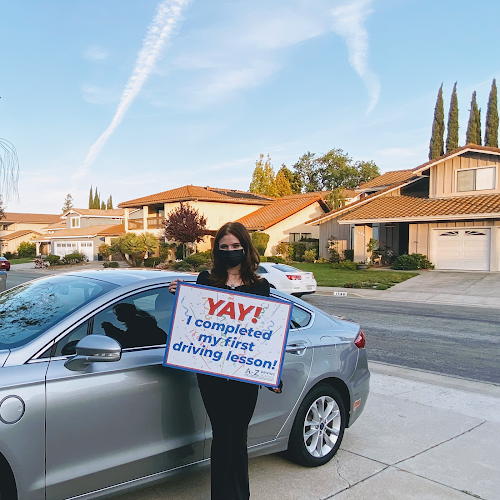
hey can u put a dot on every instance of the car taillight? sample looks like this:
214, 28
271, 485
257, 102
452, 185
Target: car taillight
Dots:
293, 277
360, 340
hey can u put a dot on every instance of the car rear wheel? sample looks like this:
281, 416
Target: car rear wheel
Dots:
8, 489
318, 427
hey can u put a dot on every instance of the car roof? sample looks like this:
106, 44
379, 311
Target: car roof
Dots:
3, 258
123, 277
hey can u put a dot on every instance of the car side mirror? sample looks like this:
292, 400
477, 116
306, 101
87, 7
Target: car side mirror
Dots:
94, 348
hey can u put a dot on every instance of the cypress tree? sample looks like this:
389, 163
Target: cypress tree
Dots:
91, 198
452, 137
473, 134
436, 146
97, 201
109, 206
103, 206
491, 131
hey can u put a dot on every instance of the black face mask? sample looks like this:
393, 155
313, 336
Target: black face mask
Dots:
232, 258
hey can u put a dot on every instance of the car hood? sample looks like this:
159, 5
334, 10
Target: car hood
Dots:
3, 357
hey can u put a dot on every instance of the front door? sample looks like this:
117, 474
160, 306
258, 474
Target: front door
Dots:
120, 421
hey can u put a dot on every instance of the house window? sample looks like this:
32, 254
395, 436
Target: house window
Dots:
294, 237
75, 221
476, 179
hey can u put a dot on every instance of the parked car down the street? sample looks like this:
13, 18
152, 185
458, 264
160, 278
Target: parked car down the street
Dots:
4, 264
82, 416
287, 279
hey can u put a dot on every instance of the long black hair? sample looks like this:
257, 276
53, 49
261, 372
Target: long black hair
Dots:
250, 263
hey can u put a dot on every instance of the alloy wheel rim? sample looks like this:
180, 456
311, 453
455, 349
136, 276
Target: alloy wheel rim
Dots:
322, 426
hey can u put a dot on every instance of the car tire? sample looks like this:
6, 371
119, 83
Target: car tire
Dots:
298, 295
321, 418
8, 489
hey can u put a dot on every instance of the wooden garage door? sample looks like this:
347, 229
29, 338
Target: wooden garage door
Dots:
463, 249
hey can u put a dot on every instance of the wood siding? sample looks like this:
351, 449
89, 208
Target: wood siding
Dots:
332, 229
443, 176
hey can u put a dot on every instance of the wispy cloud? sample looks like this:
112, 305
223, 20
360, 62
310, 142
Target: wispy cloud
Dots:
348, 22
98, 95
167, 17
95, 53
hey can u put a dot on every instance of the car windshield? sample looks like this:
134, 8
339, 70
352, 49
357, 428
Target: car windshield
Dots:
287, 269
3, 258
32, 308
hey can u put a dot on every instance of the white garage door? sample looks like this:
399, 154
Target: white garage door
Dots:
65, 247
463, 249
86, 248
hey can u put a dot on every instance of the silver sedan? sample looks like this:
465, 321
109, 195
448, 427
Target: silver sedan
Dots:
87, 410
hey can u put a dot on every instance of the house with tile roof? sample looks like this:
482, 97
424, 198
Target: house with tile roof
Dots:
217, 205
284, 220
447, 209
16, 228
81, 230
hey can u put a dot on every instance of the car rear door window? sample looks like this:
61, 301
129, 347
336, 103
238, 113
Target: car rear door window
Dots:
300, 318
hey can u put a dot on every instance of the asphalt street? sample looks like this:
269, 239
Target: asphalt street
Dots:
451, 340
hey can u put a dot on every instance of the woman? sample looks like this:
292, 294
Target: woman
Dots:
229, 403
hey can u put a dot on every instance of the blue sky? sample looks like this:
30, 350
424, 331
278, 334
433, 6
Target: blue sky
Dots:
218, 82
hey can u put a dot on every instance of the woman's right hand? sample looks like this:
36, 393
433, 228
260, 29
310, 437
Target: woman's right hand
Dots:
173, 286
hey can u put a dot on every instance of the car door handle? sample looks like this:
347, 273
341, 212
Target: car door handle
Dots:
298, 347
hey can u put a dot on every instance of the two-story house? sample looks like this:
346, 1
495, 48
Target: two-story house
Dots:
16, 228
447, 209
282, 218
218, 206
83, 230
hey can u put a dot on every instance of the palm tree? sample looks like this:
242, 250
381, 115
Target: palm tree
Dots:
9, 170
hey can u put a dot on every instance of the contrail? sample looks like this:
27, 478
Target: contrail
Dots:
348, 23
167, 17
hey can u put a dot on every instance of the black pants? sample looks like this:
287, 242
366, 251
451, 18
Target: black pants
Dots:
230, 405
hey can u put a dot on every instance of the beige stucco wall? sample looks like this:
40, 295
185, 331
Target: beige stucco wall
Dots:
443, 176
217, 214
296, 223
13, 245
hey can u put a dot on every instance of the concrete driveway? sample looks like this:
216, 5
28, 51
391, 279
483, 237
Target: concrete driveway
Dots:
436, 287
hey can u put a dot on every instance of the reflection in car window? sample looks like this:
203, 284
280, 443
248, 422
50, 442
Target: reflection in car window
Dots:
30, 309
141, 320
286, 269
300, 318
261, 270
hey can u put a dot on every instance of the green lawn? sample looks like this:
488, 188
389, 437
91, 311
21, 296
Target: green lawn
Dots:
326, 276
21, 261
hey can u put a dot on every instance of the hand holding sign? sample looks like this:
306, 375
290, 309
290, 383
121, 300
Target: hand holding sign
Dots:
228, 334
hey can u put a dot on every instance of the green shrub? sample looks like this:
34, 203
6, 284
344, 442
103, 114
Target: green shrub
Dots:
138, 260
111, 264
164, 250
334, 255
74, 258
53, 259
349, 254
276, 259
196, 260
348, 285
179, 251
260, 241
263, 258
346, 265
321, 260
411, 262
10, 255
381, 286
181, 266
297, 251
310, 255
26, 249
152, 261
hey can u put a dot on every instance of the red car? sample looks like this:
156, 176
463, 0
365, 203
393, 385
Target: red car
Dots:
4, 264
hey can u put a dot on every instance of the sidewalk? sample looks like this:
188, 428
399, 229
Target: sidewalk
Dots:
437, 287
421, 436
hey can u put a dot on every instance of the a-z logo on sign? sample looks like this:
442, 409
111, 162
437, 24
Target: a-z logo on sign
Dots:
228, 334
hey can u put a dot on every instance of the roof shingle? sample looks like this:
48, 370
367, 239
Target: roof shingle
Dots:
18, 234
279, 210
398, 207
